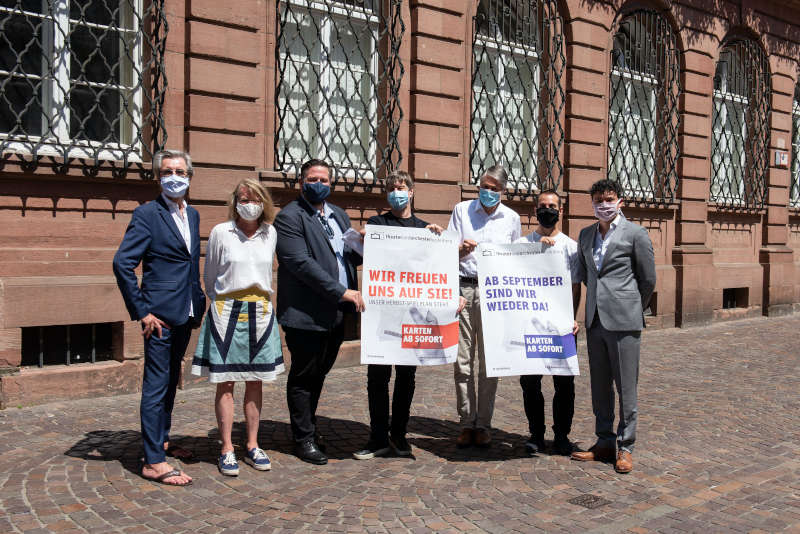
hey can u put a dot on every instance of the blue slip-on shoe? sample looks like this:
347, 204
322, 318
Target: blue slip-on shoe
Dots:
258, 459
228, 465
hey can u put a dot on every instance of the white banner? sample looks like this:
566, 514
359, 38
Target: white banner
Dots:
410, 288
526, 310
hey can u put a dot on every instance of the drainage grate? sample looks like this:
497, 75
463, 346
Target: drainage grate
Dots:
587, 500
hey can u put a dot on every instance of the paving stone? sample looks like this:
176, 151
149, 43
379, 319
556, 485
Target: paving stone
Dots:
718, 450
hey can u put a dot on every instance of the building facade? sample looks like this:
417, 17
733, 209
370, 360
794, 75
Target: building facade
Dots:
692, 105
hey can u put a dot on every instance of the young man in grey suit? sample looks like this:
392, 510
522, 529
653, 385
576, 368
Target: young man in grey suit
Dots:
616, 259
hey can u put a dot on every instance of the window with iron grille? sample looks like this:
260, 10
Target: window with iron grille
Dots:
517, 94
82, 79
643, 117
339, 75
43, 346
794, 194
740, 132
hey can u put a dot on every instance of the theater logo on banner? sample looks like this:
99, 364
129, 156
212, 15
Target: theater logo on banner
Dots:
410, 288
526, 310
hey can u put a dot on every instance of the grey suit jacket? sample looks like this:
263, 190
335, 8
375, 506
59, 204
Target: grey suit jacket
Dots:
623, 287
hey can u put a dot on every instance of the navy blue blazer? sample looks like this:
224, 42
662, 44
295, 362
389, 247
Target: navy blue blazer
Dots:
308, 273
170, 272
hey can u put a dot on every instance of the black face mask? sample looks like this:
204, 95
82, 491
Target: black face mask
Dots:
547, 217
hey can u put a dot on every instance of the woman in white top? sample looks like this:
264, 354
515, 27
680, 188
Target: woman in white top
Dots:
239, 340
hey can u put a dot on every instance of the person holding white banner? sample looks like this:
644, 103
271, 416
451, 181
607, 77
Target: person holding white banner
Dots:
484, 219
616, 257
548, 213
399, 194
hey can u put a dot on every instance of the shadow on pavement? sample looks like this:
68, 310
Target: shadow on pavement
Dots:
340, 437
123, 446
439, 438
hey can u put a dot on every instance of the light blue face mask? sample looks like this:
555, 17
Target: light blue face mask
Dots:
488, 198
398, 199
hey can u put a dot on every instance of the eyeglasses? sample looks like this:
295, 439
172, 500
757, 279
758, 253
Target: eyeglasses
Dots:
325, 224
170, 172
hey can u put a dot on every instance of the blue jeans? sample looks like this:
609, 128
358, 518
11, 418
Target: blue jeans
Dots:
162, 370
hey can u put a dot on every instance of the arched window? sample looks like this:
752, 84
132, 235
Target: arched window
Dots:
339, 76
740, 137
517, 94
794, 193
643, 107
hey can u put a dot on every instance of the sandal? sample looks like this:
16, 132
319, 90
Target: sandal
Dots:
161, 479
181, 453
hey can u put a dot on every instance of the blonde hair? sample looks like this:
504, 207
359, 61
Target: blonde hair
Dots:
261, 192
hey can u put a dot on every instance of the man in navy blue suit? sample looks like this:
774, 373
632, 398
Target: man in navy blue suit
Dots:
317, 284
163, 236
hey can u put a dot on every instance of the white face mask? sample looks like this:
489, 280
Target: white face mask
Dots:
250, 211
174, 186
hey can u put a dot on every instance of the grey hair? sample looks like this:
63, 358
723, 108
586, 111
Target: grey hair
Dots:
498, 173
161, 155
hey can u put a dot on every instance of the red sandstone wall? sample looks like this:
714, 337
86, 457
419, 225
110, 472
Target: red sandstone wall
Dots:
58, 232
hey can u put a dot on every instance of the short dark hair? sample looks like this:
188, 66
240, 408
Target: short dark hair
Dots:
399, 177
549, 192
601, 186
313, 162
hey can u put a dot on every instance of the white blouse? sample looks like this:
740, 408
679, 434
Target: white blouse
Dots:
235, 262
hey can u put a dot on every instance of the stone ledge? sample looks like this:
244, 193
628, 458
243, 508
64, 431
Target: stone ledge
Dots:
58, 300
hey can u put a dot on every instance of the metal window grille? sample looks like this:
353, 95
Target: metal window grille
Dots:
339, 75
643, 117
740, 136
82, 79
794, 194
518, 67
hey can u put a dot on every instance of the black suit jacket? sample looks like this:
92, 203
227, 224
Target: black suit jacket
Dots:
308, 273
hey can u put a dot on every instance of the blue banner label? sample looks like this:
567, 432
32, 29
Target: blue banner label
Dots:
556, 347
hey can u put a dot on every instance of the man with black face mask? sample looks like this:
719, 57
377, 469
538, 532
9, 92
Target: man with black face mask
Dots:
548, 212
317, 284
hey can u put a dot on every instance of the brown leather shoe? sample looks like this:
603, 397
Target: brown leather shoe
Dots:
482, 438
595, 453
624, 462
465, 438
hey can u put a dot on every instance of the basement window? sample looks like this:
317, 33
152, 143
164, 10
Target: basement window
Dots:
735, 297
68, 344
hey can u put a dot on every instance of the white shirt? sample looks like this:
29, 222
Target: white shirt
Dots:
565, 244
471, 221
182, 222
235, 262
337, 242
601, 243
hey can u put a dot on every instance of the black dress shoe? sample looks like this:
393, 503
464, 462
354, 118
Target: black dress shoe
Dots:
320, 441
309, 452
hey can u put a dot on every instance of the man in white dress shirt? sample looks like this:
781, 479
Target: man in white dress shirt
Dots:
487, 220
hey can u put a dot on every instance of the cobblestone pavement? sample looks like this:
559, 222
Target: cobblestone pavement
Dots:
718, 451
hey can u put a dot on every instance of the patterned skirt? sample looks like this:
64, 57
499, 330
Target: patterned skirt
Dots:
239, 340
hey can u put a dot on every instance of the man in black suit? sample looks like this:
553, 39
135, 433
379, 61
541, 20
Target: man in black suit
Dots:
317, 284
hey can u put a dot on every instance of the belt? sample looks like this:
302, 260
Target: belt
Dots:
468, 280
